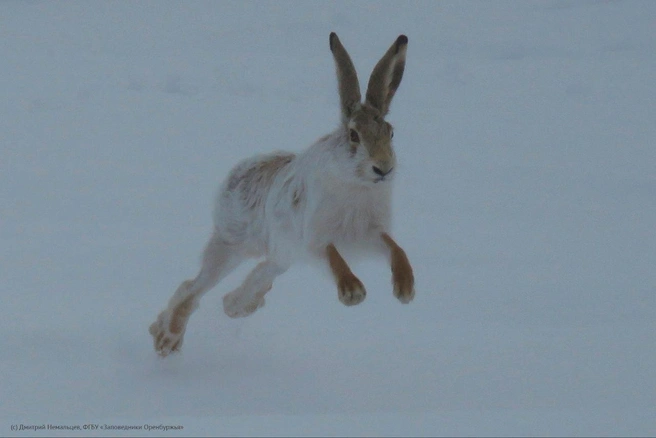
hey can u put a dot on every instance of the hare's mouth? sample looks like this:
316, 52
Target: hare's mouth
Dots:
373, 175
381, 175
385, 178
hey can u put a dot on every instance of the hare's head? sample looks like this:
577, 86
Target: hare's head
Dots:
369, 135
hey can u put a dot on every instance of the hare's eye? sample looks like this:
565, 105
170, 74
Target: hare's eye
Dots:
391, 133
355, 138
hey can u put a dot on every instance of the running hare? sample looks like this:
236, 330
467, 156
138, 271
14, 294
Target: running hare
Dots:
284, 206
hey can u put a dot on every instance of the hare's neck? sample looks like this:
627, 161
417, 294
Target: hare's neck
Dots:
339, 209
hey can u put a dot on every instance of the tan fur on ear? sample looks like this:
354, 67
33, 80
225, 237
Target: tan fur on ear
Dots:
347, 78
387, 75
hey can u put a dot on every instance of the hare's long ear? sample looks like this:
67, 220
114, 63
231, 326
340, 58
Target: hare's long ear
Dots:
347, 78
386, 77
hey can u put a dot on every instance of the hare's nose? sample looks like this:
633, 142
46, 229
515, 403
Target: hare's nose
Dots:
379, 171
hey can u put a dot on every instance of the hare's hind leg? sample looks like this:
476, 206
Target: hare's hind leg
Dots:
219, 259
249, 297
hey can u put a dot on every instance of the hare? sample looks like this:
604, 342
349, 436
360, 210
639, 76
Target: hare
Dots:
284, 206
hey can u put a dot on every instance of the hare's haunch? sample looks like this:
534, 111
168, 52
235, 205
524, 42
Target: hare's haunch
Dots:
284, 206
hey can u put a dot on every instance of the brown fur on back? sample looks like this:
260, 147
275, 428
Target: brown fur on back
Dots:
253, 182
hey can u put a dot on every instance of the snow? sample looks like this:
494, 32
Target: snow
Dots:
525, 200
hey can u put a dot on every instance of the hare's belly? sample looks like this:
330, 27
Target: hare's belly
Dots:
347, 225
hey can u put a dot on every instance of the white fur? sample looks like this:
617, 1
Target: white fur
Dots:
283, 207
336, 206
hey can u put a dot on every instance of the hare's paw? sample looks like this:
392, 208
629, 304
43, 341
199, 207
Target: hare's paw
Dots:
350, 290
165, 341
235, 306
404, 292
404, 283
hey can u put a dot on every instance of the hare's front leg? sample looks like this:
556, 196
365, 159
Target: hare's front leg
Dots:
402, 276
350, 289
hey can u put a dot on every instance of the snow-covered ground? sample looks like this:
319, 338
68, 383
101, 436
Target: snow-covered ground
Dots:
525, 199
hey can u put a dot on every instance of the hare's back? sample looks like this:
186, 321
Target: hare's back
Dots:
253, 177
241, 200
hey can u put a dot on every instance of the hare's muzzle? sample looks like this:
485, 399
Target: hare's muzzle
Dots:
382, 173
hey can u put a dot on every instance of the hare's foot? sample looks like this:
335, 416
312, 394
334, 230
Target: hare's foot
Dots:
168, 330
403, 279
404, 289
236, 304
350, 290
249, 297
165, 340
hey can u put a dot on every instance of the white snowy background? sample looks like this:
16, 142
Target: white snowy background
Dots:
525, 199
